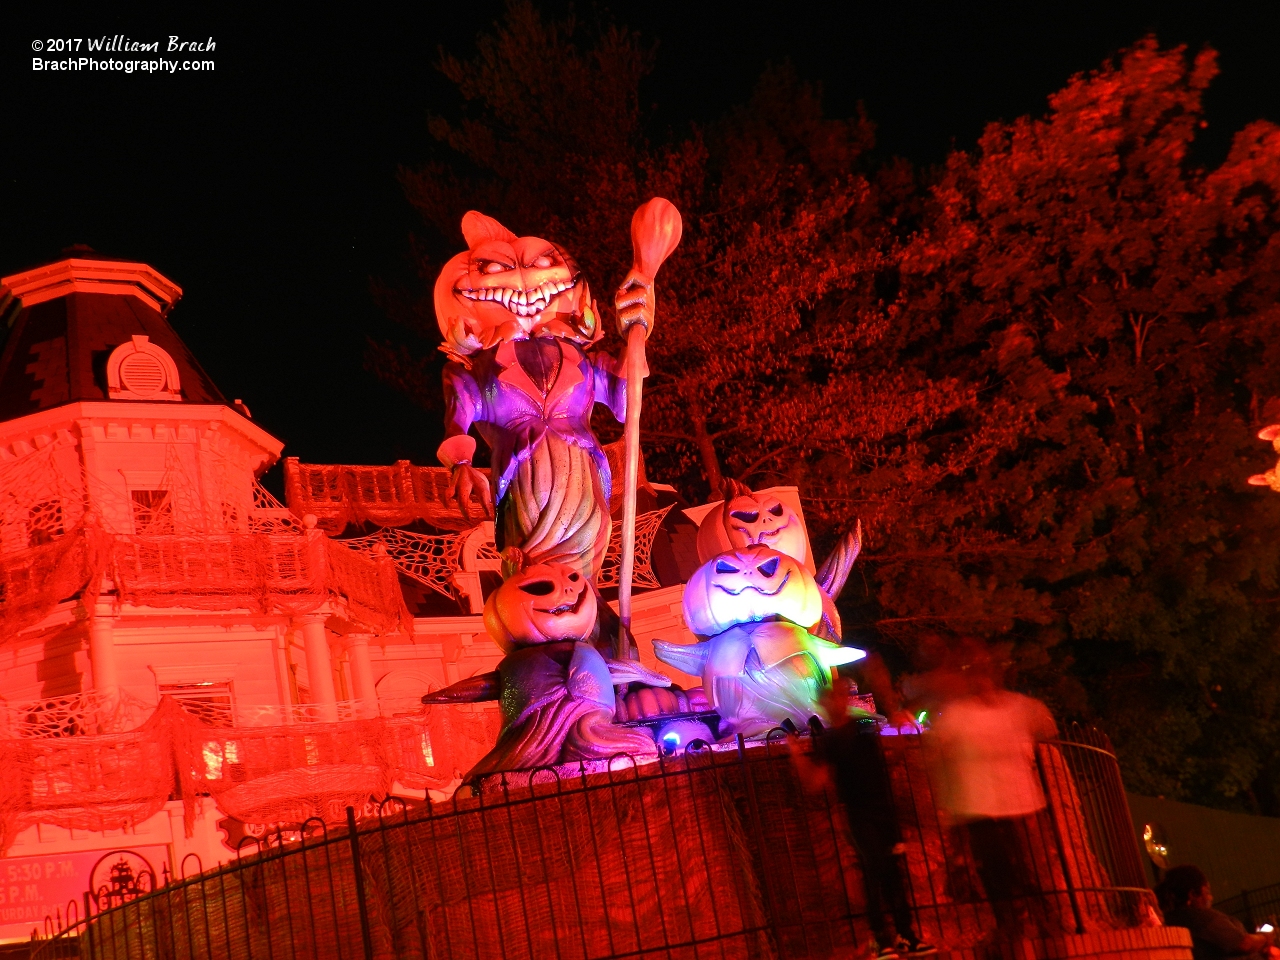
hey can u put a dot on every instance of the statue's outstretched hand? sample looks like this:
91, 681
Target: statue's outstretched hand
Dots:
635, 302
465, 480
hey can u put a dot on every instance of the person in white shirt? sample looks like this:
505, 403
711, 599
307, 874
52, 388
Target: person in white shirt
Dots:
983, 743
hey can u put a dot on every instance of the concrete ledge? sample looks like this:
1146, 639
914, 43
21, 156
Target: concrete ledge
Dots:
1140, 943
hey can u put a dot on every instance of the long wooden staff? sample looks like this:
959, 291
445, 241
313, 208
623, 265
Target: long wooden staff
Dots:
655, 231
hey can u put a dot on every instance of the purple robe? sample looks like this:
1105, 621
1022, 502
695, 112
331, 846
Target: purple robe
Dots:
513, 414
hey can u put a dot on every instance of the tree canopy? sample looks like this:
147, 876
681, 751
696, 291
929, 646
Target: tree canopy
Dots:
1035, 373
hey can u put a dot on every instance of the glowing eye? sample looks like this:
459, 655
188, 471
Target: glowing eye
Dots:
769, 567
539, 588
542, 261
746, 516
724, 566
493, 266
776, 509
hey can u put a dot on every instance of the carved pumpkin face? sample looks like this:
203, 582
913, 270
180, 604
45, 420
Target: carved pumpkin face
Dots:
752, 518
543, 603
510, 288
749, 584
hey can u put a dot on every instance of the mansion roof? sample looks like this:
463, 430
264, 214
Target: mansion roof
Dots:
59, 324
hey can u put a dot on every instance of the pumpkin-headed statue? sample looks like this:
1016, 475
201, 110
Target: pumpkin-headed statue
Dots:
517, 316
510, 288
555, 689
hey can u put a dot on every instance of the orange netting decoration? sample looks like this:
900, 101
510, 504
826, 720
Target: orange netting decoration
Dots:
56, 773
267, 573
287, 774
34, 581
270, 573
104, 782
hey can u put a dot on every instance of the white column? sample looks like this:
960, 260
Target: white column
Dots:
362, 674
315, 641
102, 654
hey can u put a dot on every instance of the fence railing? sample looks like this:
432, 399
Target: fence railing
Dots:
718, 852
1254, 907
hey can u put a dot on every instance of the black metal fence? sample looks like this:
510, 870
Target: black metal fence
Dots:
1253, 908
717, 853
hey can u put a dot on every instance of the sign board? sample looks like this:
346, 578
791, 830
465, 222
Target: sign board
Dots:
32, 888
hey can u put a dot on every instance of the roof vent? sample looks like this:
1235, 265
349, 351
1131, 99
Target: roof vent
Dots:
139, 370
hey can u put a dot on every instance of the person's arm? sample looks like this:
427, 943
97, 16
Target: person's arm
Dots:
1222, 932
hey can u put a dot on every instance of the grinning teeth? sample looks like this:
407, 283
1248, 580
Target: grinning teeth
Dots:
523, 303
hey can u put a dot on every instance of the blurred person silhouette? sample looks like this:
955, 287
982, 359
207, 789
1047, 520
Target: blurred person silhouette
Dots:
1187, 901
982, 743
849, 755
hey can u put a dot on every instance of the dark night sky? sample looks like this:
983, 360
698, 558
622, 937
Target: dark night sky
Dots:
267, 188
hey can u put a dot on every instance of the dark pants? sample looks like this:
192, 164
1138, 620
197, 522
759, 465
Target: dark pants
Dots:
1004, 851
875, 839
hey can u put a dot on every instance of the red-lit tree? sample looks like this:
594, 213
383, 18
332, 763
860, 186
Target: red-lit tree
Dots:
1035, 374
767, 313
1115, 309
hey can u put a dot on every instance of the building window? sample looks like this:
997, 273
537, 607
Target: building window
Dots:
44, 522
152, 512
210, 702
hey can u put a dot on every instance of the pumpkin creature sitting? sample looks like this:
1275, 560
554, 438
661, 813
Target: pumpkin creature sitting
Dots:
743, 518
555, 689
761, 662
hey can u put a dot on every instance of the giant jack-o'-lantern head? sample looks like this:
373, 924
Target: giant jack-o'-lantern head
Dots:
747, 585
510, 288
542, 603
752, 518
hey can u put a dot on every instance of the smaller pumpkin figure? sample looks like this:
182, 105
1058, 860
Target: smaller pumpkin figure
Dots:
745, 518
546, 602
556, 690
762, 662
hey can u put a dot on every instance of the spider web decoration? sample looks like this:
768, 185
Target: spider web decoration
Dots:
74, 715
430, 560
41, 497
433, 559
642, 575
269, 515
